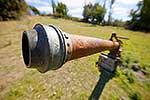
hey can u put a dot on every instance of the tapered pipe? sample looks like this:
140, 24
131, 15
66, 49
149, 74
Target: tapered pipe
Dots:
84, 46
48, 48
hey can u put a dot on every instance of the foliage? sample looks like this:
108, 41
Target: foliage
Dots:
140, 17
12, 9
135, 96
127, 73
87, 12
35, 10
119, 23
75, 18
98, 13
61, 10
93, 13
130, 77
145, 15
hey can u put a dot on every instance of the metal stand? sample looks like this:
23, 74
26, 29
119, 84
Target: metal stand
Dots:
107, 65
107, 72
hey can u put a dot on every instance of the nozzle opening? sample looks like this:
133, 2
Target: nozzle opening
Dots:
25, 49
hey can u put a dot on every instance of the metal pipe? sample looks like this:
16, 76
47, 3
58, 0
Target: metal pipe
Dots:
84, 46
48, 48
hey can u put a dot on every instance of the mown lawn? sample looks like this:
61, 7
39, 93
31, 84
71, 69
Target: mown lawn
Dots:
76, 79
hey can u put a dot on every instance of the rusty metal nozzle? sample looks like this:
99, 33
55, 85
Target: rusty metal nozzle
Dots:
48, 48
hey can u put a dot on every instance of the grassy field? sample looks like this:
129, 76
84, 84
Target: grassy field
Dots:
76, 79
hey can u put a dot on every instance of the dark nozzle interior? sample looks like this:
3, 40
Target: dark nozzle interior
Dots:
25, 49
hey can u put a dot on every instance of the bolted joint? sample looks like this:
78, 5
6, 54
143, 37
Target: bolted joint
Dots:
45, 47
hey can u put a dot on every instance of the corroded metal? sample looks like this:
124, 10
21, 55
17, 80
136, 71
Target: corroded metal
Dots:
48, 48
84, 46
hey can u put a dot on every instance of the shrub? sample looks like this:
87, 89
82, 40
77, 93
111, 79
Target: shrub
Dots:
118, 23
125, 61
130, 76
118, 72
93, 13
135, 96
12, 9
61, 10
140, 16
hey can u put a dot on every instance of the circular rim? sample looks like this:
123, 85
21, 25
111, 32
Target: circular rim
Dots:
26, 49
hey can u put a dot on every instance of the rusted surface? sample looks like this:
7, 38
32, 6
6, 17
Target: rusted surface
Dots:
48, 48
68, 44
84, 46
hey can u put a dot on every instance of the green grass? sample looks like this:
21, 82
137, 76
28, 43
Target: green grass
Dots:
76, 79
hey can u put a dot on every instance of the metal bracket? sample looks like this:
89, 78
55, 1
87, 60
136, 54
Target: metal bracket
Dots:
114, 35
110, 62
107, 63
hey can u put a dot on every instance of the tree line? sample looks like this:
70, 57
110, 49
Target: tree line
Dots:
92, 13
12, 9
140, 17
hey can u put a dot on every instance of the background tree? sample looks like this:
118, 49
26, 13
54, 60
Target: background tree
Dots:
110, 11
53, 6
145, 15
93, 13
61, 9
140, 17
87, 12
12, 9
98, 13
35, 10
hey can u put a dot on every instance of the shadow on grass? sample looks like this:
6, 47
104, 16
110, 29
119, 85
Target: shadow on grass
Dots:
104, 78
